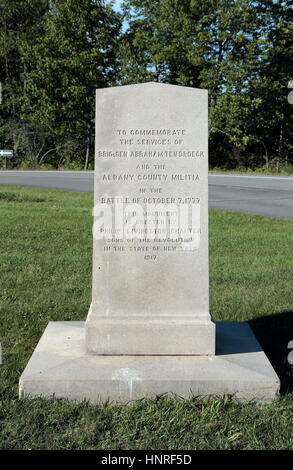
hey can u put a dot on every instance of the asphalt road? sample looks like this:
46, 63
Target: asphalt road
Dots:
260, 195
271, 196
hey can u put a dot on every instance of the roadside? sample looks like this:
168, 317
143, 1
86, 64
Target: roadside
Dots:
249, 172
221, 171
212, 171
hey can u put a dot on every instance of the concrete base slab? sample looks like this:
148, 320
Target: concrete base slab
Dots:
61, 367
143, 335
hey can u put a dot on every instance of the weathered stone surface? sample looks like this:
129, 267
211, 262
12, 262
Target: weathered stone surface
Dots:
60, 367
151, 296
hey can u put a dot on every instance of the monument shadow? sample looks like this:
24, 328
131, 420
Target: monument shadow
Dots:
274, 333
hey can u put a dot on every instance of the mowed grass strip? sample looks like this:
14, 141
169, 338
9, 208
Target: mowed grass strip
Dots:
46, 266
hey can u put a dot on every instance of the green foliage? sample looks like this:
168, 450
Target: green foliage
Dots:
240, 50
53, 55
73, 58
72, 54
20, 23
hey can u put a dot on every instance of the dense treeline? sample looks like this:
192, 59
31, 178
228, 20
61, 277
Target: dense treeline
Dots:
53, 54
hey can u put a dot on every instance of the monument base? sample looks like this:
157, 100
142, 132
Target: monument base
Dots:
147, 336
61, 367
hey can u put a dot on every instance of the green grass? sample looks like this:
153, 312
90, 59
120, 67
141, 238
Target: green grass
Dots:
45, 256
257, 172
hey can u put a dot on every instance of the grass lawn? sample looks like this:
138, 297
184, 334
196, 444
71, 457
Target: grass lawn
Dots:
45, 259
258, 172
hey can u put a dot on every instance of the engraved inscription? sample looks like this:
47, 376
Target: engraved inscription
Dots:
155, 212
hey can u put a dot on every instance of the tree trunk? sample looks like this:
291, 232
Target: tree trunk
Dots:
15, 140
24, 80
266, 156
280, 149
267, 159
88, 138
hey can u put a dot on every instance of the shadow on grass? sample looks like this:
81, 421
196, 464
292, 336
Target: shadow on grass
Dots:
274, 333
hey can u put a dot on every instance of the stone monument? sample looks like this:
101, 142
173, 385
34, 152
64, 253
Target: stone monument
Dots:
149, 330
151, 285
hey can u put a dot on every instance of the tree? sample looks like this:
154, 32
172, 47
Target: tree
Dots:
21, 22
75, 56
272, 117
226, 46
